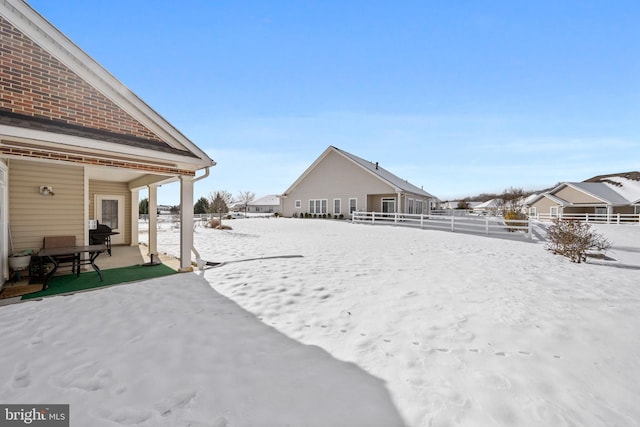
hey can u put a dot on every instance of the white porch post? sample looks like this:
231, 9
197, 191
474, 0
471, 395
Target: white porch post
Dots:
399, 208
135, 206
186, 222
153, 219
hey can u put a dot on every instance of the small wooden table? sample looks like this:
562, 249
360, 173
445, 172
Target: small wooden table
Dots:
76, 251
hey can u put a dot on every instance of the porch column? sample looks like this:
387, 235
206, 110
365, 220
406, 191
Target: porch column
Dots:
135, 206
186, 222
399, 208
153, 219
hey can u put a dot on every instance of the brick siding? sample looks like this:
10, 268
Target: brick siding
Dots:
34, 83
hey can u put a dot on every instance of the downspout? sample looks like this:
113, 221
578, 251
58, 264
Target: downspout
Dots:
199, 260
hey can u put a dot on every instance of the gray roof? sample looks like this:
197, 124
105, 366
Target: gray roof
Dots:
602, 191
270, 200
392, 179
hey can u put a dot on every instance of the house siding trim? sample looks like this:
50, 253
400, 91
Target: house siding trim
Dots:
84, 159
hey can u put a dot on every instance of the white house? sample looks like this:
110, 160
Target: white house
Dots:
338, 183
266, 204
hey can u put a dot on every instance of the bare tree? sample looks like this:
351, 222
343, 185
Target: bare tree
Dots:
512, 200
246, 197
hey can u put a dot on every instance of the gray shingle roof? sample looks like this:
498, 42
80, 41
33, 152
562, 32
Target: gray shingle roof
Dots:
392, 179
601, 191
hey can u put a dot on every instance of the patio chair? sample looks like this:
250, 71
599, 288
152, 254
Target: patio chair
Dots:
63, 242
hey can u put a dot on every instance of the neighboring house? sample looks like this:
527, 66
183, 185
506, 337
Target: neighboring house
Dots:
604, 195
455, 204
77, 145
339, 183
236, 207
492, 206
266, 204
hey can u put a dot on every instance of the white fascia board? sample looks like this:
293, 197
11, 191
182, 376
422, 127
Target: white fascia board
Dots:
93, 145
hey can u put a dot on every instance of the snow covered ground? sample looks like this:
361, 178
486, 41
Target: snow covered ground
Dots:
370, 326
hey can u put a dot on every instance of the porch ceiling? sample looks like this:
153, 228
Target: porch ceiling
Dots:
101, 173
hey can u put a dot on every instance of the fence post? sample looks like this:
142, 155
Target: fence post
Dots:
373, 217
586, 218
486, 225
529, 230
421, 220
618, 219
452, 219
395, 220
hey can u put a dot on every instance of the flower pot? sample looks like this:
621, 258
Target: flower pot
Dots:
17, 263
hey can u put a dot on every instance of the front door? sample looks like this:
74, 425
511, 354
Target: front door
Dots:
110, 212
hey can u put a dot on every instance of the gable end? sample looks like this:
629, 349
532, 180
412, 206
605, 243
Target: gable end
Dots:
34, 84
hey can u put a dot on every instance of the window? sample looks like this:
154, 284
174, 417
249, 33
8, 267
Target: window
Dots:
353, 205
318, 206
298, 204
336, 206
532, 211
419, 207
553, 212
410, 206
388, 205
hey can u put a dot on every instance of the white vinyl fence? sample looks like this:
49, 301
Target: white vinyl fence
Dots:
592, 217
469, 224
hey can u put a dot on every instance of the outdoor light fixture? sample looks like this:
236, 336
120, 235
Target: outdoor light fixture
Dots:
46, 190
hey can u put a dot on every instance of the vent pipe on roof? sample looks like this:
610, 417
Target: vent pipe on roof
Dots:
376, 165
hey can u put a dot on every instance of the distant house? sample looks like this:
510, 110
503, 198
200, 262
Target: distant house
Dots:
492, 206
339, 183
266, 204
458, 204
603, 195
77, 145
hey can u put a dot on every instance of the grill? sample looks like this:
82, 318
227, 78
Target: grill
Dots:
101, 235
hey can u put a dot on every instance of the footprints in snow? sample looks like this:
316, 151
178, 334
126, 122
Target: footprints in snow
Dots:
21, 375
520, 353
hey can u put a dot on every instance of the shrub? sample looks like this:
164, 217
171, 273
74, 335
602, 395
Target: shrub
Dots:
515, 216
574, 239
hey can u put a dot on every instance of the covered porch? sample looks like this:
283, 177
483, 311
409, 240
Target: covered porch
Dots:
127, 264
77, 146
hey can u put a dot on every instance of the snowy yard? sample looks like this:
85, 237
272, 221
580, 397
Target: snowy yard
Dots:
372, 326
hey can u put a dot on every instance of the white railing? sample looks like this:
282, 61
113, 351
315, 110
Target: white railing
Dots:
470, 224
591, 217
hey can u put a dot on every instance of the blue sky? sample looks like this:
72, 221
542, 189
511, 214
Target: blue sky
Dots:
458, 97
